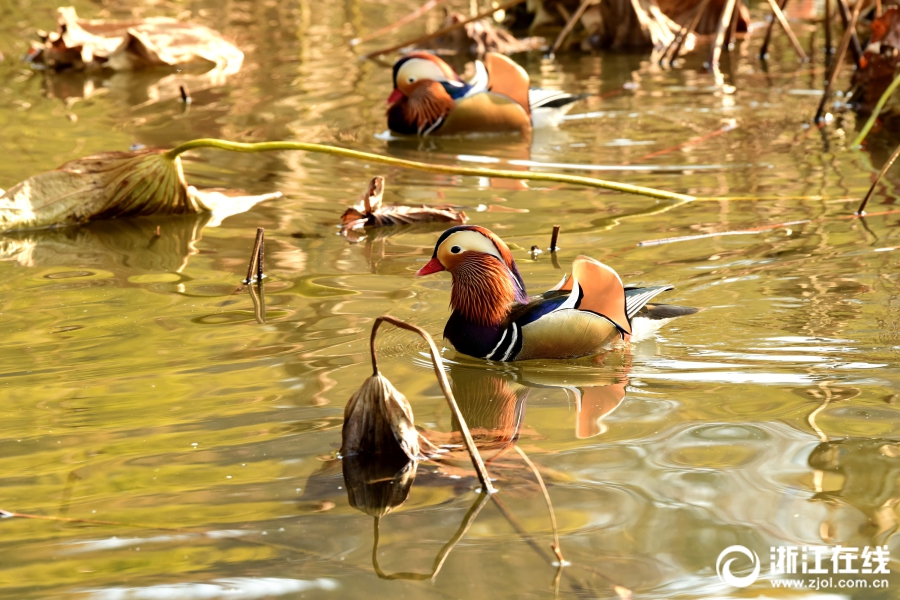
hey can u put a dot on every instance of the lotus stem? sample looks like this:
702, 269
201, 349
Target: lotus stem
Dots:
876, 111
554, 238
778, 14
260, 258
679, 39
862, 207
438, 364
855, 46
839, 59
537, 475
570, 25
719, 41
398, 23
256, 257
410, 164
443, 30
442, 555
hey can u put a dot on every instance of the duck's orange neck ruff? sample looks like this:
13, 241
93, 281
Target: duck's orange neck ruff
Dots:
483, 290
426, 104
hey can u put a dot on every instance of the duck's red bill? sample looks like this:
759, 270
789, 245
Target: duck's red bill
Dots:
433, 266
394, 97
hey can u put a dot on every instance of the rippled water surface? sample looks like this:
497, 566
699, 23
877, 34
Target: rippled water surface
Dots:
138, 389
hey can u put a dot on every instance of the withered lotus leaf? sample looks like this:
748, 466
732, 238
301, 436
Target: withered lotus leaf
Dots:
378, 421
134, 44
371, 212
109, 185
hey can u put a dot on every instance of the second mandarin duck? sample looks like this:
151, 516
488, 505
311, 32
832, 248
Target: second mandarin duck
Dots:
495, 319
429, 98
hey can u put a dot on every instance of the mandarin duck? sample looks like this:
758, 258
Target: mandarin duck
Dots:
495, 319
429, 98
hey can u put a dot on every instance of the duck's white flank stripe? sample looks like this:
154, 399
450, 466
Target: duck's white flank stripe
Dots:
497, 347
512, 343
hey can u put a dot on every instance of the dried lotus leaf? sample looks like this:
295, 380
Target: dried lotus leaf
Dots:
110, 185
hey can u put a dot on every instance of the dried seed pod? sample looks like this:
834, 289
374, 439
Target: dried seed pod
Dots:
378, 422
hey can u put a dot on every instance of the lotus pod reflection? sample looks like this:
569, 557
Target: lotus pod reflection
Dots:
109, 185
378, 422
376, 487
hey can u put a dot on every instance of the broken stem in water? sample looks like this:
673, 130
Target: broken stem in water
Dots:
256, 256
862, 207
557, 550
438, 365
446, 169
554, 238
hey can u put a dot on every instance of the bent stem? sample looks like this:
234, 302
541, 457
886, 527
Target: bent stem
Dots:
410, 164
862, 207
444, 552
556, 548
438, 364
875, 112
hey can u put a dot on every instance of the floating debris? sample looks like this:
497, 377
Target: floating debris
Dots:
370, 212
84, 44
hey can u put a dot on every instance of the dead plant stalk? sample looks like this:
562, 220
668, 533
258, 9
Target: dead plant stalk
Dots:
438, 364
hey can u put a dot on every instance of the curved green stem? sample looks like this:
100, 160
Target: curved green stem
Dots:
410, 164
875, 112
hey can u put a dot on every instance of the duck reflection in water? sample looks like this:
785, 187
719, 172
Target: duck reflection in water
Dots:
493, 403
871, 484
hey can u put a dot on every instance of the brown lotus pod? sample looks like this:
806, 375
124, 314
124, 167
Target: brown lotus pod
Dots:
378, 422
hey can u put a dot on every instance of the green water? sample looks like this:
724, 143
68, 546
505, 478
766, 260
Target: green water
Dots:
138, 388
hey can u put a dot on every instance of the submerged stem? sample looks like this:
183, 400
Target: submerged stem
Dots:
438, 364
890, 161
411, 164
556, 548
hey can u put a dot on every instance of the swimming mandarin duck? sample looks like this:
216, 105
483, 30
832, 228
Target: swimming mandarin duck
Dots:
495, 319
429, 98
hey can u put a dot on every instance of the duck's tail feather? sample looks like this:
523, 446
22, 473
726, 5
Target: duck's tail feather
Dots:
637, 298
658, 312
539, 98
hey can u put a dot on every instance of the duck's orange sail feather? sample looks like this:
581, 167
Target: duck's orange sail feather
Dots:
507, 78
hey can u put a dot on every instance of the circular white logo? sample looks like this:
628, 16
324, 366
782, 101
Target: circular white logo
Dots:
724, 570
